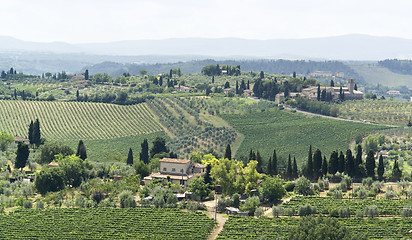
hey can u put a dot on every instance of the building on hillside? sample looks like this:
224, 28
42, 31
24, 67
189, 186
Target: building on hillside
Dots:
182, 88
393, 92
18, 139
178, 171
349, 92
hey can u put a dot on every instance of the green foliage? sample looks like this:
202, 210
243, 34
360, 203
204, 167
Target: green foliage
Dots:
250, 204
159, 146
50, 149
142, 169
22, 155
126, 199
74, 169
81, 150
5, 140
272, 188
129, 160
144, 153
199, 188
49, 180
303, 186
370, 164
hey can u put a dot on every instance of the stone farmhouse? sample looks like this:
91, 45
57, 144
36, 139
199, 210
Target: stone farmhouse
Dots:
349, 92
179, 171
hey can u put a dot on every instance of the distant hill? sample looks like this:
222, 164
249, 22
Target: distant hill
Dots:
346, 47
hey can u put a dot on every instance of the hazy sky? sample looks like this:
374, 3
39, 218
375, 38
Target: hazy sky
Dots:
78, 21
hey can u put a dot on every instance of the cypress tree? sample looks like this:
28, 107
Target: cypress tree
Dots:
317, 164
309, 166
36, 133
159, 146
294, 169
130, 157
207, 177
252, 155
381, 168
289, 169
213, 79
350, 163
370, 164
318, 95
358, 162
228, 153
341, 162
333, 162
22, 155
324, 167
144, 154
274, 163
259, 162
86, 75
81, 150
396, 172
237, 87
269, 167
31, 129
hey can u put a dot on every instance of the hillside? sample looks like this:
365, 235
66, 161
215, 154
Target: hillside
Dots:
292, 133
375, 74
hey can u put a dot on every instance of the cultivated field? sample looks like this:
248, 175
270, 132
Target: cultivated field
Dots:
105, 223
77, 120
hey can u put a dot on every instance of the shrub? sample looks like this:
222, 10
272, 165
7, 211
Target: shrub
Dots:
362, 194
306, 210
289, 186
250, 205
304, 187
406, 212
372, 211
277, 211
337, 194
390, 194
27, 204
290, 212
359, 213
126, 199
343, 186
334, 212
344, 212
236, 200
259, 212
223, 203
40, 204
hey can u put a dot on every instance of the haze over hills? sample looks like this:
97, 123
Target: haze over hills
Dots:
346, 47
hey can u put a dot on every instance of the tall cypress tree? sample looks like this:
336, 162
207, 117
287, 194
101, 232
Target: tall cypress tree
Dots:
274, 163
259, 162
324, 167
269, 167
207, 177
129, 160
294, 169
31, 129
318, 94
22, 155
81, 150
144, 154
396, 171
252, 155
350, 163
370, 164
334, 162
317, 164
381, 168
358, 162
36, 133
86, 75
289, 169
341, 161
228, 153
309, 166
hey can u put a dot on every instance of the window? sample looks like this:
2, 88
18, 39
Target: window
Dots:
164, 169
173, 169
181, 170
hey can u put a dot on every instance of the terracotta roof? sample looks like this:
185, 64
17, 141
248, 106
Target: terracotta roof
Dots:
53, 164
172, 160
164, 176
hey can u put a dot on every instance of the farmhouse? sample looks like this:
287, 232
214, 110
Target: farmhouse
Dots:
182, 88
348, 92
178, 171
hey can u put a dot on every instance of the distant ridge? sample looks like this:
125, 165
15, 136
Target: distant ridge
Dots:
346, 47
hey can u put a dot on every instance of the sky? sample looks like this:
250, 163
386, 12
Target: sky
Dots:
84, 21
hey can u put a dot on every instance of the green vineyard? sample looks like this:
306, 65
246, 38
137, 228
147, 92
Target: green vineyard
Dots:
274, 228
105, 223
77, 120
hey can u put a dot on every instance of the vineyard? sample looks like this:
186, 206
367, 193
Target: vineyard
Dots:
292, 133
273, 228
77, 120
105, 223
386, 111
326, 204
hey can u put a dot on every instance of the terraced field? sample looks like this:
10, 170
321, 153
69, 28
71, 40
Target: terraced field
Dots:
77, 120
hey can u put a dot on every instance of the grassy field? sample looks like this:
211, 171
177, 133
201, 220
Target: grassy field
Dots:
374, 74
292, 133
386, 111
105, 223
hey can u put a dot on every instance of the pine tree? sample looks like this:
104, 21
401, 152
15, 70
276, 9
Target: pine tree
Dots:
370, 164
31, 129
269, 167
309, 166
22, 155
289, 169
36, 133
274, 163
294, 169
144, 154
129, 160
350, 163
81, 150
381, 168
334, 162
317, 164
324, 167
228, 152
259, 163
341, 162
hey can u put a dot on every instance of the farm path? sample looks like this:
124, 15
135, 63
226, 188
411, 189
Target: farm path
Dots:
220, 219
